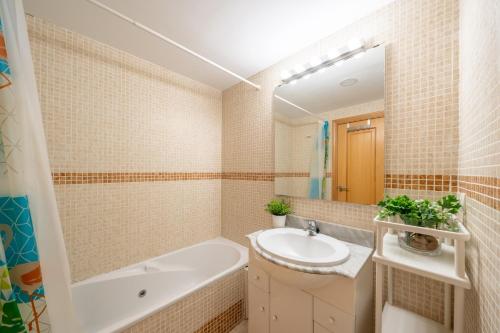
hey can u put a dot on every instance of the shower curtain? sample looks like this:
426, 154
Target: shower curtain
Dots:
34, 273
319, 162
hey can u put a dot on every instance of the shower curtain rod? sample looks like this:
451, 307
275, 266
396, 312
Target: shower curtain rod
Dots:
170, 41
300, 108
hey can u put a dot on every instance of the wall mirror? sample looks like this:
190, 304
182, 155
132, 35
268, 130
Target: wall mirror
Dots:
329, 130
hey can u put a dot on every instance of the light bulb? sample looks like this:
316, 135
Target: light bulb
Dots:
359, 55
298, 69
315, 61
339, 63
285, 75
354, 44
333, 53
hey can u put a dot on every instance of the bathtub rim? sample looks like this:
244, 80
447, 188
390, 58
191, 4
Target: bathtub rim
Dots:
128, 322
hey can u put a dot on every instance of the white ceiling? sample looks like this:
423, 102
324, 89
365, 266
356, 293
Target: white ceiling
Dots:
322, 91
242, 35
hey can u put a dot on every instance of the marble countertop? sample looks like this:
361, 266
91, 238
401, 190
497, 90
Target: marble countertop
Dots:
358, 256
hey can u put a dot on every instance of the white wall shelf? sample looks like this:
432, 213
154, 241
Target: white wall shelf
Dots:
441, 268
448, 267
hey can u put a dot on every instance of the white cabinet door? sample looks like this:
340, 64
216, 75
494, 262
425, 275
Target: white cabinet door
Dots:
291, 309
332, 318
258, 277
258, 310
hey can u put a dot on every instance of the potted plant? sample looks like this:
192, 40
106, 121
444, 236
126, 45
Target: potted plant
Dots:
422, 213
279, 209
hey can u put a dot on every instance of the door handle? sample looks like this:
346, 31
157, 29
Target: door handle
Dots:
342, 189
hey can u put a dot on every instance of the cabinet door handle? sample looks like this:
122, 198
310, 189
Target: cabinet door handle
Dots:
331, 319
275, 317
257, 277
262, 309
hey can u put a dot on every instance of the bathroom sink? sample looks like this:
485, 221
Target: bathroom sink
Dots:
297, 247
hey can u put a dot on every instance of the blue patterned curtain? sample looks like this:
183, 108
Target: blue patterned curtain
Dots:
31, 241
319, 163
22, 297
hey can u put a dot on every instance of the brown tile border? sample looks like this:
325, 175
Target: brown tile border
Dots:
483, 189
225, 321
291, 174
62, 178
71, 178
254, 176
296, 174
446, 183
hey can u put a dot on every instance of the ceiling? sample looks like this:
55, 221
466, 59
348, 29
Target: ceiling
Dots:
322, 92
243, 36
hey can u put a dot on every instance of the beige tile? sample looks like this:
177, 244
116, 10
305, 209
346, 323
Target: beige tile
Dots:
421, 118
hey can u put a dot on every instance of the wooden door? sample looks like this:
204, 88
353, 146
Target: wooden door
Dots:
358, 159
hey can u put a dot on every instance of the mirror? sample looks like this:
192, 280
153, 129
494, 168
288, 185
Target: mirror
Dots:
329, 131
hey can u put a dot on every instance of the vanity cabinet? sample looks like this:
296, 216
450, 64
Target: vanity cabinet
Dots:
258, 309
343, 306
332, 318
291, 309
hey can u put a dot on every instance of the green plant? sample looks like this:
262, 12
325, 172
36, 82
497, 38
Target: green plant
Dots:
423, 213
278, 207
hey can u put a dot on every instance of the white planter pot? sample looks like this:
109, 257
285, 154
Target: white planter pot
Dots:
279, 221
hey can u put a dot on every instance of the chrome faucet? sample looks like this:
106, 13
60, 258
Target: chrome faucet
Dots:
311, 228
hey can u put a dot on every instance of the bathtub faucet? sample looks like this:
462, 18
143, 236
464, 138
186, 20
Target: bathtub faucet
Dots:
311, 228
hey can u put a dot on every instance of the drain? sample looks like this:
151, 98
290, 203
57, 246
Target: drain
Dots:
142, 293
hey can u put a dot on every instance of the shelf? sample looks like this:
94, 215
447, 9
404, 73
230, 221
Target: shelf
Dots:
441, 268
397, 320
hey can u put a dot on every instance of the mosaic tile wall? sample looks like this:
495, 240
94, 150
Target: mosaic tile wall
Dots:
135, 150
479, 158
217, 308
421, 118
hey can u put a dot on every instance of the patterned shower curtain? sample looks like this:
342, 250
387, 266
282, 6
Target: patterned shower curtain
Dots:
319, 162
34, 274
22, 295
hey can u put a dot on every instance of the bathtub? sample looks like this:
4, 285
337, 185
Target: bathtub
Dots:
113, 301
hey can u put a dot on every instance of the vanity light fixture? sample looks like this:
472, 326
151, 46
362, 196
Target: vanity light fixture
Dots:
298, 69
315, 61
355, 49
285, 75
339, 63
333, 53
354, 44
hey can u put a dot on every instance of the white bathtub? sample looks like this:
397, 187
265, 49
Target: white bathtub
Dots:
112, 301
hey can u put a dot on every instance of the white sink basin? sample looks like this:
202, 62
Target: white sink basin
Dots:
297, 247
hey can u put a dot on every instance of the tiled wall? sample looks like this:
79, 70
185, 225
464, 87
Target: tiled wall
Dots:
218, 308
135, 150
479, 158
421, 124
293, 143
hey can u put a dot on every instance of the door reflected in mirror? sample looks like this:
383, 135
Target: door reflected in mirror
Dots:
329, 132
